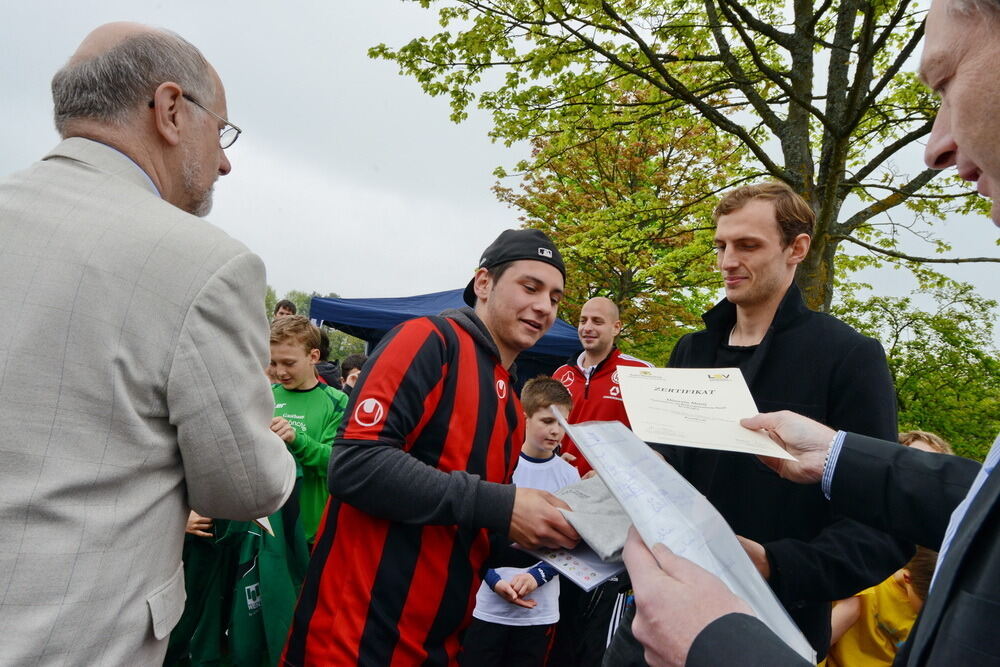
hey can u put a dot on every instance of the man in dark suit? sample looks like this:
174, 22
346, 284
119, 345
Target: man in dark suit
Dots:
687, 616
808, 552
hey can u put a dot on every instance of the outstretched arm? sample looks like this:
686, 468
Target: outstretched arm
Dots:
679, 604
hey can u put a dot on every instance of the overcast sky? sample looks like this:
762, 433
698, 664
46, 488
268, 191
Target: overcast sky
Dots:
347, 177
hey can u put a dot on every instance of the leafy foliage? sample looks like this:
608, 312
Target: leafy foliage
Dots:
811, 93
631, 211
943, 361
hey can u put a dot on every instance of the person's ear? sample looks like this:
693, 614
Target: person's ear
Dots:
800, 248
166, 111
618, 327
314, 355
482, 284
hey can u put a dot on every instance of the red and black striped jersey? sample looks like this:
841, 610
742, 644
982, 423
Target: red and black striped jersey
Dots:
433, 430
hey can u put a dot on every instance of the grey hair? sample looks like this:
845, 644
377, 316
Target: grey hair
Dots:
111, 86
985, 8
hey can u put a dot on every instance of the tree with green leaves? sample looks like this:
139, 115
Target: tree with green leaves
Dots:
943, 360
270, 300
631, 213
813, 93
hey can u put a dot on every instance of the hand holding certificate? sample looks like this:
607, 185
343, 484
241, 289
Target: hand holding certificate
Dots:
694, 407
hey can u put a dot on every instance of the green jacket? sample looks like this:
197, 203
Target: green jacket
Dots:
315, 414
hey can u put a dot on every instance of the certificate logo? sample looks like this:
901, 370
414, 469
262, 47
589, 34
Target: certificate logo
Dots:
718, 377
369, 412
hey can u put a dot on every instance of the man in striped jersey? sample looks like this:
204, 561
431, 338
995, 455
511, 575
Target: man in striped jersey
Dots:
420, 473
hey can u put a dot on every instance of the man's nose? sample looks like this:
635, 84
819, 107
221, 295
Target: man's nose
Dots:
941, 151
224, 165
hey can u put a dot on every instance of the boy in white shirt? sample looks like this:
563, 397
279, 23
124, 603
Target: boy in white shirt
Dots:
517, 608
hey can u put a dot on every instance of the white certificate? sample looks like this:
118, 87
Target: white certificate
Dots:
694, 407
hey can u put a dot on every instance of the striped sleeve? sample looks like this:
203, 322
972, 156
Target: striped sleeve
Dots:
398, 385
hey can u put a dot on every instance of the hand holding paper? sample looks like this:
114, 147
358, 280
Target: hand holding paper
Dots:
674, 600
808, 441
537, 522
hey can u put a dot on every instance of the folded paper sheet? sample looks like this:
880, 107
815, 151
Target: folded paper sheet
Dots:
665, 508
598, 518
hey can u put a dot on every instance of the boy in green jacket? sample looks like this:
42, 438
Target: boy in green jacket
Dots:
312, 410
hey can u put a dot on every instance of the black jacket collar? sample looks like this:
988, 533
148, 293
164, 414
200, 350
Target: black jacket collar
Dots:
720, 320
722, 316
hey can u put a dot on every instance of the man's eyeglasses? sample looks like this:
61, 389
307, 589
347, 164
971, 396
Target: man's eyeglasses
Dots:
228, 134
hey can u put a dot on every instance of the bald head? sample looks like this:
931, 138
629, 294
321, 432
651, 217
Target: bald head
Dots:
598, 327
103, 38
603, 305
111, 77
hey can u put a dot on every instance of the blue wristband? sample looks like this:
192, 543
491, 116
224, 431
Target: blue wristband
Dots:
542, 572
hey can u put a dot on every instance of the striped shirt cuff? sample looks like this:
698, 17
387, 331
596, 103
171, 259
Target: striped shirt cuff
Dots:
831, 462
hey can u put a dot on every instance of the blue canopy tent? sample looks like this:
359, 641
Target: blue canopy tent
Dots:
370, 319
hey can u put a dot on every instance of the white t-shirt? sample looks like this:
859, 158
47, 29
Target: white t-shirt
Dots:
548, 475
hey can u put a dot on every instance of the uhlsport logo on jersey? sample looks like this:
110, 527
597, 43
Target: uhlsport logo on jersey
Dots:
369, 412
567, 379
501, 389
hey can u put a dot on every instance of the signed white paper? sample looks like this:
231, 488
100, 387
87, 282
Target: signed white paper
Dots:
693, 407
665, 508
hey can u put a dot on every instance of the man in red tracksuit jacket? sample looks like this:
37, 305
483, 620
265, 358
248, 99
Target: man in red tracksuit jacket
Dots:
592, 378
588, 620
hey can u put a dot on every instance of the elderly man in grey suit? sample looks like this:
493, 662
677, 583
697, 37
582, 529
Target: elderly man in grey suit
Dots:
132, 346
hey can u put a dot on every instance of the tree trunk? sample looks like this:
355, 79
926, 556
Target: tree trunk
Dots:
815, 274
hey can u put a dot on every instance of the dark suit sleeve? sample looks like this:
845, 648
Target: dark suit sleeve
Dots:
740, 639
900, 490
846, 556
862, 394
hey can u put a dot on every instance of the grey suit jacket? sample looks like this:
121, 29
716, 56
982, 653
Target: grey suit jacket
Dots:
132, 342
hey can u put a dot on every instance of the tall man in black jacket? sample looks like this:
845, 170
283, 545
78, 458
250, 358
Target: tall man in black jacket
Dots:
685, 615
797, 359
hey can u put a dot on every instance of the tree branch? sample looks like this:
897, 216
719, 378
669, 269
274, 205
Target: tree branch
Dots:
891, 149
674, 87
913, 258
884, 204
